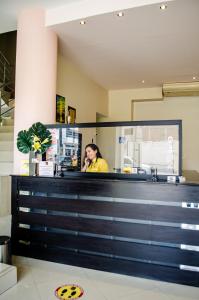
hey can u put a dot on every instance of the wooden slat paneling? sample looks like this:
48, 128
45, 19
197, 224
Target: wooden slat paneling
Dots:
103, 227
167, 255
148, 231
113, 209
121, 266
174, 235
108, 188
157, 233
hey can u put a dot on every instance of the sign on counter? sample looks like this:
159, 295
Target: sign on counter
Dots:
46, 168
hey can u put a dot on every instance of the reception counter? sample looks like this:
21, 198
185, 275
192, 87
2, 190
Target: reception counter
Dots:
138, 228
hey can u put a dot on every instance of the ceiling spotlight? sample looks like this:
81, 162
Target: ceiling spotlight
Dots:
163, 6
143, 81
120, 14
194, 77
82, 22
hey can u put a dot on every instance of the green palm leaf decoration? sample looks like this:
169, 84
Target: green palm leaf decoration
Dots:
24, 141
37, 138
41, 137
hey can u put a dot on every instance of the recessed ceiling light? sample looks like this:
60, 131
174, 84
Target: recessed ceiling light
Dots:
82, 22
194, 77
120, 14
143, 81
163, 6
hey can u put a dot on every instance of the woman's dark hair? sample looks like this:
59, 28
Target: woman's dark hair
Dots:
94, 148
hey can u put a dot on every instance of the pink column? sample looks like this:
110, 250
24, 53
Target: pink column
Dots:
36, 72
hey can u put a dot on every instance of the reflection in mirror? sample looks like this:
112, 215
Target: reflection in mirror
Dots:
140, 148
68, 146
126, 149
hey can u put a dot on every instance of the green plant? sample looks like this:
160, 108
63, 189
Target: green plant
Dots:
24, 141
37, 138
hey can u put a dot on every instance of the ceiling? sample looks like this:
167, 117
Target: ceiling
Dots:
145, 44
9, 10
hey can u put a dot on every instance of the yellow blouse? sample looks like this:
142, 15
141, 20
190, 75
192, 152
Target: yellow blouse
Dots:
98, 165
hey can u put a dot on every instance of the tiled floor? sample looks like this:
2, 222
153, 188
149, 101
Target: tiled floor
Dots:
37, 280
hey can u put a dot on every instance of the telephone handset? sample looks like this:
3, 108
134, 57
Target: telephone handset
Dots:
88, 161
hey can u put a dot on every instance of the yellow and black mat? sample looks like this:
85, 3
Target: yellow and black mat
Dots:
69, 291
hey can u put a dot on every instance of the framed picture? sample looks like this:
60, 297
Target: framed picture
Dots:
60, 109
71, 115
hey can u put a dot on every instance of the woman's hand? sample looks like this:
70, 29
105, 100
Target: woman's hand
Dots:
86, 164
86, 161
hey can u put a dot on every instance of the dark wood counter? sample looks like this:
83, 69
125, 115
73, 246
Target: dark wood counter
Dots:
129, 227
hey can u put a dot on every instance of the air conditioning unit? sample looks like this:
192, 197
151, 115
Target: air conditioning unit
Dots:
181, 89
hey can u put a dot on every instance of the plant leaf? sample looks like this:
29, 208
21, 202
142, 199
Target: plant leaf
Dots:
24, 141
43, 134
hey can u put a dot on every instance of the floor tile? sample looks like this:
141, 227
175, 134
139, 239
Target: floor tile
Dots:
20, 292
24, 276
116, 285
149, 295
178, 291
38, 280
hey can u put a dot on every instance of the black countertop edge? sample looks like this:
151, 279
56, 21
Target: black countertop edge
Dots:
118, 123
111, 176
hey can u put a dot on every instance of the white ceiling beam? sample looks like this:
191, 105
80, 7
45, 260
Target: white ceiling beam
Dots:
88, 8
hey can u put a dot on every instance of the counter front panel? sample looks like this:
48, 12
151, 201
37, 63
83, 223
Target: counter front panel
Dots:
135, 228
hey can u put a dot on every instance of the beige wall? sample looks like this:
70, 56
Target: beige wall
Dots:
148, 104
124, 105
184, 108
120, 101
5, 195
81, 92
106, 141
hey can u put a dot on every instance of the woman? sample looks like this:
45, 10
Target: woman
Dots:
93, 161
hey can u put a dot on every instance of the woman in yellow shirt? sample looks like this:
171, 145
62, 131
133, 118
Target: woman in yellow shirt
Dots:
93, 161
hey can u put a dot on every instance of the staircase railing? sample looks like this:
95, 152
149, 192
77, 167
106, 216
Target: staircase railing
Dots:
6, 87
6, 109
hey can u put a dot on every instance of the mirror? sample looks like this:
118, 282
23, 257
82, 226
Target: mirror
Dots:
133, 149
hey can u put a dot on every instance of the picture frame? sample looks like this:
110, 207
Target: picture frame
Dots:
60, 109
71, 115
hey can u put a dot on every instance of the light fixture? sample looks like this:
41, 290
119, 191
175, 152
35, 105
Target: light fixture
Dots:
143, 81
194, 77
163, 6
82, 22
120, 14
